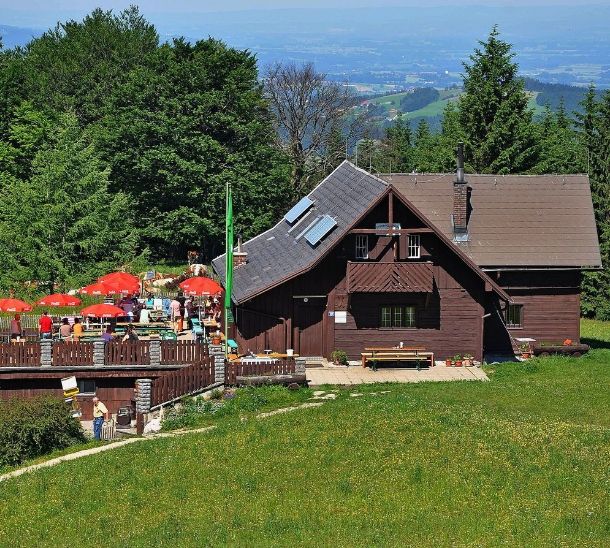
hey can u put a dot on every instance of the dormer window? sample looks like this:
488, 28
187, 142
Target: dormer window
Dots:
362, 246
414, 247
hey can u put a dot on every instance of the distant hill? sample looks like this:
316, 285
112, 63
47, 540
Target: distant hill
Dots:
551, 94
429, 103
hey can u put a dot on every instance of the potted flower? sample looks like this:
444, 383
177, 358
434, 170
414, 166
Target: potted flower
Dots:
467, 361
458, 360
339, 357
449, 362
525, 351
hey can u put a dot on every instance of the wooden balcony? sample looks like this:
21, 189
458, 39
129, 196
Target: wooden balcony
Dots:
390, 277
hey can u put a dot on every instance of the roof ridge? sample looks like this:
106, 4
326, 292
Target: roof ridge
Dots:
450, 174
343, 163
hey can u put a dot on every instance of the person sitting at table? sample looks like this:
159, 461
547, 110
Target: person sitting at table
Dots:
16, 330
108, 335
65, 331
77, 329
130, 335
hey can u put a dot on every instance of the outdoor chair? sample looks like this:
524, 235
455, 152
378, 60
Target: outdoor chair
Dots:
198, 331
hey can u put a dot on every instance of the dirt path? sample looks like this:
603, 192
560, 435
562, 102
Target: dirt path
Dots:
117, 444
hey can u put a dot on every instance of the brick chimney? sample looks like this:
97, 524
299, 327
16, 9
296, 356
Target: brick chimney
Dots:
460, 197
240, 257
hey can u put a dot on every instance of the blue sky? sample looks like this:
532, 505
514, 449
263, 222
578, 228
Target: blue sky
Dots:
46, 13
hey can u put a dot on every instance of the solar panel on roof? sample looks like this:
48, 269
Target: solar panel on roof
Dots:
298, 209
320, 229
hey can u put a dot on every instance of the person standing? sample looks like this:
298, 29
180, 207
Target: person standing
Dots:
45, 326
100, 414
188, 311
180, 298
16, 330
175, 314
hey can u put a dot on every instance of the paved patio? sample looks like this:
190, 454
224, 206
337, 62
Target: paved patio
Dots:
360, 375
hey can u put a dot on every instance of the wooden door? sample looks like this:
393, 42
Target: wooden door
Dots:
309, 317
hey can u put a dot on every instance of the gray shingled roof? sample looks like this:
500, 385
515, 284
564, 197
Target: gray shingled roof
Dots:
282, 251
516, 220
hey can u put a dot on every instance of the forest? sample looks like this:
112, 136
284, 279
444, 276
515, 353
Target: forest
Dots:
115, 146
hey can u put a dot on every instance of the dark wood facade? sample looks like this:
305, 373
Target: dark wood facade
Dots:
337, 303
114, 387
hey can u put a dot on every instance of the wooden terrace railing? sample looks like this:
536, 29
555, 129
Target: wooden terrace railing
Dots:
127, 353
72, 353
115, 353
182, 382
181, 352
20, 354
233, 370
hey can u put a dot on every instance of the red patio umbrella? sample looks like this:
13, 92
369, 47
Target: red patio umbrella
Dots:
110, 288
59, 299
14, 305
200, 286
123, 277
102, 311
96, 289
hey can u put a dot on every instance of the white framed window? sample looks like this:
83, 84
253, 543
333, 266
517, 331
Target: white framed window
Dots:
413, 251
362, 246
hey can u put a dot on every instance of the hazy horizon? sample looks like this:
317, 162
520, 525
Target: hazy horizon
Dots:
40, 15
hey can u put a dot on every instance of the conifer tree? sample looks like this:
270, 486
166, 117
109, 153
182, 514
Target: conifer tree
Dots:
397, 151
62, 224
594, 123
424, 153
494, 113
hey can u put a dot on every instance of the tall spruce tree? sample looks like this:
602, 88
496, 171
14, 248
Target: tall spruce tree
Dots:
61, 225
494, 113
595, 132
424, 148
560, 149
397, 152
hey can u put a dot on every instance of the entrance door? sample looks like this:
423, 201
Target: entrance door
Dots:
308, 321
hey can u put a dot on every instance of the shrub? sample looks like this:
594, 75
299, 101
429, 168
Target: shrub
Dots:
34, 427
339, 356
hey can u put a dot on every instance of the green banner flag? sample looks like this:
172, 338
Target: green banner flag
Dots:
229, 249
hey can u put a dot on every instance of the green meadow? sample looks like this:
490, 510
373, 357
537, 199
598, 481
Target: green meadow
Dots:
519, 460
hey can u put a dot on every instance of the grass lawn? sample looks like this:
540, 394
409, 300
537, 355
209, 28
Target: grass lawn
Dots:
520, 460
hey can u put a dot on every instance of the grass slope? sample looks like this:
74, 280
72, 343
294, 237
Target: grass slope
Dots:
436, 108
522, 460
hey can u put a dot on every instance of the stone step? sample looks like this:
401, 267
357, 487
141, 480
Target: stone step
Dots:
314, 361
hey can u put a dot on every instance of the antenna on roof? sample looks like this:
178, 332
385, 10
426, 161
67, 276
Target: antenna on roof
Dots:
460, 163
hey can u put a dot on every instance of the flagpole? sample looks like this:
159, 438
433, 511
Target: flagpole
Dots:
228, 261
227, 288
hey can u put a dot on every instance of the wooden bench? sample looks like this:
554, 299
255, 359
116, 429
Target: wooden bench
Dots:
415, 354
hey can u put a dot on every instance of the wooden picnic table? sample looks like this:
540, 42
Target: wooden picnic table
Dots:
390, 354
